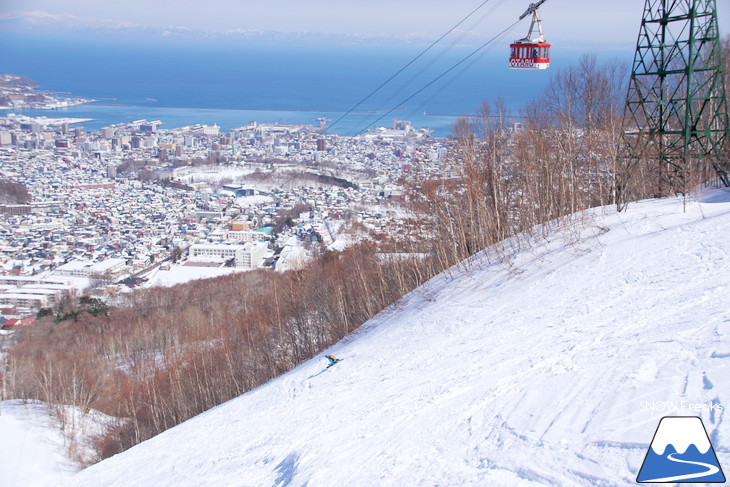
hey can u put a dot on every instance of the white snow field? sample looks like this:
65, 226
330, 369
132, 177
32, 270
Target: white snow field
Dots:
32, 450
554, 370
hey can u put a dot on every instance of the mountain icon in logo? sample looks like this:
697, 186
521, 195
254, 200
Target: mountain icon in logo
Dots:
681, 452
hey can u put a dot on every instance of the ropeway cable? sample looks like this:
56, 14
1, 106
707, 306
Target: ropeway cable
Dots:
472, 54
405, 67
442, 53
458, 75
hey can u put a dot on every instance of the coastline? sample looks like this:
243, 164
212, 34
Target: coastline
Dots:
58, 105
96, 115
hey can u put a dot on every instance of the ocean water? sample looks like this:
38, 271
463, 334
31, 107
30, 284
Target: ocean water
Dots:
231, 85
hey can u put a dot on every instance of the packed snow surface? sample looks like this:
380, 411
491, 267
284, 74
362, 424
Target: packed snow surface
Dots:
552, 369
183, 274
32, 449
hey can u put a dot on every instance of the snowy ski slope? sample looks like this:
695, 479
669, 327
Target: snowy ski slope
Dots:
552, 371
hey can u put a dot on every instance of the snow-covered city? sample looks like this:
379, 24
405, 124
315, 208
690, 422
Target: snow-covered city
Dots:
138, 205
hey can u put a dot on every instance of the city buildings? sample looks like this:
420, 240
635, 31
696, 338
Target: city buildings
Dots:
117, 203
249, 255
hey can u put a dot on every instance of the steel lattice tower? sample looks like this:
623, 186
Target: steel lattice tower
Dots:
676, 109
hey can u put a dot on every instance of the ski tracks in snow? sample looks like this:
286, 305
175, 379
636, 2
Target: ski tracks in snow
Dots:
529, 374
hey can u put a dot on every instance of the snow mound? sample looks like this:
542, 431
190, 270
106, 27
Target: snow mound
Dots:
554, 370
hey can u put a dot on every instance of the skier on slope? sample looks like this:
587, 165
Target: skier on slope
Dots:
333, 360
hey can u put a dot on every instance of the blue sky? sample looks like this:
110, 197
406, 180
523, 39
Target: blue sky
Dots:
574, 23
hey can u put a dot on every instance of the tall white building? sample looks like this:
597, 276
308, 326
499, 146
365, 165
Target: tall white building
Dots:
254, 254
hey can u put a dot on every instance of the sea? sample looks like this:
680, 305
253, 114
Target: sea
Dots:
234, 83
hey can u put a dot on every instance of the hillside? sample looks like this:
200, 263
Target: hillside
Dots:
15, 88
553, 370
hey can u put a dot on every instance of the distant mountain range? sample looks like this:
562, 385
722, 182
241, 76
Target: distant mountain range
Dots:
44, 23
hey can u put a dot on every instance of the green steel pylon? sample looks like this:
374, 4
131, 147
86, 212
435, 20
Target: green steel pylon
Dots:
676, 109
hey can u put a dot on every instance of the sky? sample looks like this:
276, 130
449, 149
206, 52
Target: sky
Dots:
572, 22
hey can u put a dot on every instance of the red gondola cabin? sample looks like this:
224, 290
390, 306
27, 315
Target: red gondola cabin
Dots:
530, 55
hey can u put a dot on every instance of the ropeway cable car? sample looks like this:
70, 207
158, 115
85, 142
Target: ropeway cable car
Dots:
529, 53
